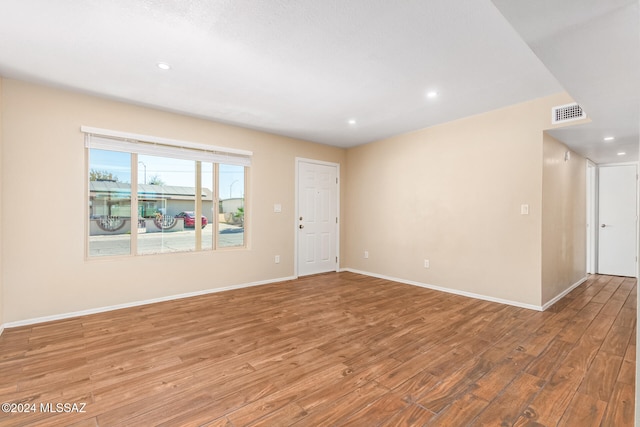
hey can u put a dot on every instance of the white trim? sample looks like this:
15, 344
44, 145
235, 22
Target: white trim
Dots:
139, 303
161, 140
448, 290
297, 210
604, 165
637, 382
282, 279
564, 293
296, 201
592, 216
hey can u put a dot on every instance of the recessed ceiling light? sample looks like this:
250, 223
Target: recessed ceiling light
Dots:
622, 153
432, 94
164, 66
609, 138
352, 121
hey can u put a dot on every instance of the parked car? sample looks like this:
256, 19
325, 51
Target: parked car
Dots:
190, 219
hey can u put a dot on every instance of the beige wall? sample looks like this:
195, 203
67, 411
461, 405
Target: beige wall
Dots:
564, 222
45, 272
452, 194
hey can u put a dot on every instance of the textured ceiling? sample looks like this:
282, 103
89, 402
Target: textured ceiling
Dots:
298, 68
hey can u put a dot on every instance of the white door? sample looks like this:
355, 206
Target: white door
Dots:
617, 220
317, 222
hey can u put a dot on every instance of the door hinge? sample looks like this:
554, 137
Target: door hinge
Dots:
336, 220
336, 260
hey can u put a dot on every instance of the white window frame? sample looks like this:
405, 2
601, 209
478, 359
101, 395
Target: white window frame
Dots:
135, 144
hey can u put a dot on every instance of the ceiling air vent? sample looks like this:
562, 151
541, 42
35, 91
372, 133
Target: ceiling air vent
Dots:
567, 113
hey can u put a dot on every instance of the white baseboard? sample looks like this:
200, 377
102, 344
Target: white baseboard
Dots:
282, 279
449, 290
564, 293
137, 303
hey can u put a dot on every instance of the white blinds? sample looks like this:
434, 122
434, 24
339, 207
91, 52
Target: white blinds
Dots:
105, 139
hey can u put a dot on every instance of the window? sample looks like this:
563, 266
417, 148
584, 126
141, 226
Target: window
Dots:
109, 203
188, 197
208, 205
166, 205
231, 209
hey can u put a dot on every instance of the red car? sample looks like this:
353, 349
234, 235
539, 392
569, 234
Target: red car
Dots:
190, 219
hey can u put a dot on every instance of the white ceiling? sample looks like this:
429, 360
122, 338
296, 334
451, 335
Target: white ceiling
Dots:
304, 68
593, 49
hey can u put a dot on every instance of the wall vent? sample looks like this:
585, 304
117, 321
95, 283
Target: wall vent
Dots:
567, 113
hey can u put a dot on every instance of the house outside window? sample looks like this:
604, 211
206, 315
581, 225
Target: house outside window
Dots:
182, 203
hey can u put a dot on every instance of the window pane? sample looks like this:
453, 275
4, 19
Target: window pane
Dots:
207, 206
231, 209
109, 203
166, 205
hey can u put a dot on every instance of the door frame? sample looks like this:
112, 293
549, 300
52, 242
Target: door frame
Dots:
296, 235
597, 247
592, 217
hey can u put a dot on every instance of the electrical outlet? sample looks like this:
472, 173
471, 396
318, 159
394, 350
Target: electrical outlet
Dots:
277, 259
426, 263
366, 254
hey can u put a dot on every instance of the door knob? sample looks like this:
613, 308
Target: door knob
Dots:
603, 225
301, 226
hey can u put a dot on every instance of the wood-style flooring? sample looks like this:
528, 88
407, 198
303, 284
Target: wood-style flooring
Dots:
333, 349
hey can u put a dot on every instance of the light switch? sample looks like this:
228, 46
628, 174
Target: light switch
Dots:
277, 207
524, 209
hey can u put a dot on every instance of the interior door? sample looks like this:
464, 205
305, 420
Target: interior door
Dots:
317, 221
617, 214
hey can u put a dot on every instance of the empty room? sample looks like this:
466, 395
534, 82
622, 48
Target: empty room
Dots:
367, 213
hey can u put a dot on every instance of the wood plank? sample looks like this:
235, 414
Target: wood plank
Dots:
407, 370
412, 416
501, 375
583, 411
285, 416
627, 373
601, 377
220, 422
460, 412
337, 348
617, 340
333, 412
417, 386
454, 386
620, 411
377, 412
547, 362
335, 390
505, 408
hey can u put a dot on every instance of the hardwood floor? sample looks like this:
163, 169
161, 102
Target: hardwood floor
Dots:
333, 349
